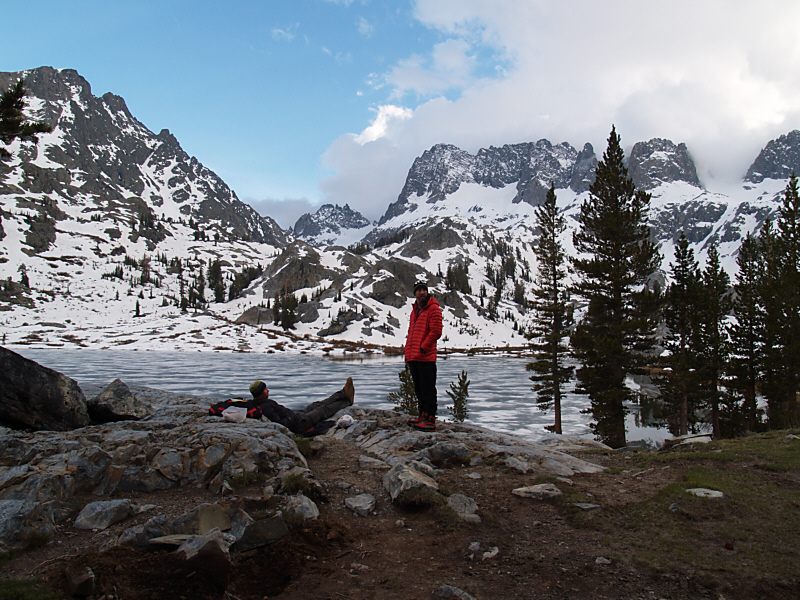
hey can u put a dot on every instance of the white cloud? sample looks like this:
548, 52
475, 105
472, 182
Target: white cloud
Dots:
722, 76
285, 35
365, 28
380, 124
448, 67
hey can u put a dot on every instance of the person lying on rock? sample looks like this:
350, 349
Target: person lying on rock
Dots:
310, 421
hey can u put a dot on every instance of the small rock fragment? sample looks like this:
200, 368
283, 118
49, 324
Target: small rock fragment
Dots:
449, 591
706, 493
363, 504
542, 491
494, 551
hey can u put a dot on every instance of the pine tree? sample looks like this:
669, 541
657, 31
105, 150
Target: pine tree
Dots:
215, 281
680, 385
404, 399
616, 332
782, 298
550, 303
288, 316
23, 275
12, 122
459, 394
714, 308
746, 333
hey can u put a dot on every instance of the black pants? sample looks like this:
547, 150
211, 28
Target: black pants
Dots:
424, 376
319, 411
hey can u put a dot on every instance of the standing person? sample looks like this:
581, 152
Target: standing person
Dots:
424, 329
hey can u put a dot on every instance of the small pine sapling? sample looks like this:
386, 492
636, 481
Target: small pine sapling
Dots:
459, 394
404, 399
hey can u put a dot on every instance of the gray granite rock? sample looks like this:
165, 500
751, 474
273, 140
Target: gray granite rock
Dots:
402, 479
35, 397
103, 513
542, 491
449, 591
465, 507
302, 506
261, 533
363, 504
117, 403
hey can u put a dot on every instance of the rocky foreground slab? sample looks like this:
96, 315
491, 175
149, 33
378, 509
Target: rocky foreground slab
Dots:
169, 441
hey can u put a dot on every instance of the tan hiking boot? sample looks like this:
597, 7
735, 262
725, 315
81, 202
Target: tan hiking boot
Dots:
349, 390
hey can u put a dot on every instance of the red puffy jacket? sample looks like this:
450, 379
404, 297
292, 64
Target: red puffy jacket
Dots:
423, 331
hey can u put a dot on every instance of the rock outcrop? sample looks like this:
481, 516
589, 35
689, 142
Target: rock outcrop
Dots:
778, 160
328, 224
661, 161
35, 397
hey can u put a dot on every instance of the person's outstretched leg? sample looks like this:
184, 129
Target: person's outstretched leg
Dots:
324, 409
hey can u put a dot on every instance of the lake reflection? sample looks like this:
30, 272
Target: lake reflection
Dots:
500, 391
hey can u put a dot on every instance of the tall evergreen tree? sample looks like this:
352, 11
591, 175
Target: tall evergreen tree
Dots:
679, 384
714, 309
746, 333
550, 303
12, 122
617, 259
783, 306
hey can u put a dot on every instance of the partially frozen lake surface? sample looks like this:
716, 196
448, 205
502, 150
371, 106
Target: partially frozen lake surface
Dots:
500, 396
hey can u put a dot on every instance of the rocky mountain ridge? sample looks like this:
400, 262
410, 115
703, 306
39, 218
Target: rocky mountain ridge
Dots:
100, 156
325, 226
113, 224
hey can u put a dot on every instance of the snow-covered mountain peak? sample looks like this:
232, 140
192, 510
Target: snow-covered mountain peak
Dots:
661, 161
778, 160
332, 225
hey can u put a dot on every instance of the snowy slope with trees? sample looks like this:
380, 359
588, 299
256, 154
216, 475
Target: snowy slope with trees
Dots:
127, 241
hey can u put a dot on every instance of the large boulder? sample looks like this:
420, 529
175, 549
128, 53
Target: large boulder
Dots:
117, 403
35, 397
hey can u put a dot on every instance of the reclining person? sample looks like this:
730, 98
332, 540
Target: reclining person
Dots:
306, 421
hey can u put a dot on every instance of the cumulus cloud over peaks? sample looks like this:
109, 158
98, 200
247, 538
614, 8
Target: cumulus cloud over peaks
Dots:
379, 126
722, 76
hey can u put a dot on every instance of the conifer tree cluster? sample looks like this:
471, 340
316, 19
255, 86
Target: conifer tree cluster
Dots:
717, 369
457, 278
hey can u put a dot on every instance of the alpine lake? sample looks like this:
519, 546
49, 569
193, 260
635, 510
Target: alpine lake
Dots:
500, 396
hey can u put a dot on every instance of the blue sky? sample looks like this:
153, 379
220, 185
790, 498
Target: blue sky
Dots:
301, 102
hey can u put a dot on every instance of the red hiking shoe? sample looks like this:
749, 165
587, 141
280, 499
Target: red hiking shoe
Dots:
416, 420
425, 423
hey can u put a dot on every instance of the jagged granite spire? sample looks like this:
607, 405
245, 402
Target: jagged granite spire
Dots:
327, 224
661, 161
778, 160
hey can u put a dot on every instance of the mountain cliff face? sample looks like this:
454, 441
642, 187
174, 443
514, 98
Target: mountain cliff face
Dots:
660, 161
99, 155
441, 170
778, 160
331, 225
